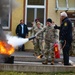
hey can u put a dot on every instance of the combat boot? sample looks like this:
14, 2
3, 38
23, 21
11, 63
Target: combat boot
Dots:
35, 54
52, 63
45, 62
40, 56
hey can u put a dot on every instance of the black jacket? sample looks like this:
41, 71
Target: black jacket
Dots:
19, 30
65, 30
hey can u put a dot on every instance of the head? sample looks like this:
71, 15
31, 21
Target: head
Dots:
63, 15
49, 21
36, 20
21, 21
38, 24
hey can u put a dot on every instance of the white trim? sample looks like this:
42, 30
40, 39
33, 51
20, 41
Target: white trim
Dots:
45, 13
67, 4
35, 6
63, 8
35, 13
8, 27
26, 12
57, 4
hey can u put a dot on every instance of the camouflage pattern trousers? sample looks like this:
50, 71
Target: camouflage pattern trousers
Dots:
72, 50
38, 47
49, 50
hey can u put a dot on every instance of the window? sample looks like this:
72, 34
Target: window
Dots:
5, 14
65, 4
35, 9
71, 3
35, 2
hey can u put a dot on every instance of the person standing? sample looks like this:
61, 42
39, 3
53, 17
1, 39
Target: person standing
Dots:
37, 20
21, 31
65, 36
72, 50
38, 47
50, 39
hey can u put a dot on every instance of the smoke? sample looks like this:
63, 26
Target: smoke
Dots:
5, 7
16, 41
2, 35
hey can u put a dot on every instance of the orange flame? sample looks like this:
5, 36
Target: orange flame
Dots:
6, 48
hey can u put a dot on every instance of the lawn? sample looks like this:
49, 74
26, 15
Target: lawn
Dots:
22, 73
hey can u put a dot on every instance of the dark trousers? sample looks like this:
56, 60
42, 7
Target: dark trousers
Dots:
66, 53
22, 47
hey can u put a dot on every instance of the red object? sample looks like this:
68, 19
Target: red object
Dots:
56, 50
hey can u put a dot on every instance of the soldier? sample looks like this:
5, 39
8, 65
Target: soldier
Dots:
37, 20
38, 40
33, 27
50, 39
72, 50
65, 36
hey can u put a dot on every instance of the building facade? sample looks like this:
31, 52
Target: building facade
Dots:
29, 10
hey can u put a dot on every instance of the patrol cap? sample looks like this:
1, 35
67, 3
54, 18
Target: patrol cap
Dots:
36, 19
49, 20
64, 14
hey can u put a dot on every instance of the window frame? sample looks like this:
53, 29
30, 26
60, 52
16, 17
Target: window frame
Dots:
66, 8
35, 6
9, 17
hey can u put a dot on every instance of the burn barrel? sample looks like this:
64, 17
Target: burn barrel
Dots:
6, 59
9, 59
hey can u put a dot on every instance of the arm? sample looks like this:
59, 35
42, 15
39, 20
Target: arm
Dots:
56, 27
17, 29
64, 31
40, 31
26, 31
56, 34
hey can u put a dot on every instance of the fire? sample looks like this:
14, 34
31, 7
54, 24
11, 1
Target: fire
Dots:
6, 48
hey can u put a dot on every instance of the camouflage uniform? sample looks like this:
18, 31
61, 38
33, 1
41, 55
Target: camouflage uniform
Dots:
32, 29
38, 41
72, 51
50, 38
34, 26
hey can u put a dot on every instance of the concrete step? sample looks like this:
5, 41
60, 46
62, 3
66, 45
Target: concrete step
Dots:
35, 67
26, 62
28, 57
32, 59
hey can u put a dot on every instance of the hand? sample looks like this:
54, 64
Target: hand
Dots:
37, 37
27, 36
43, 41
31, 40
55, 27
64, 42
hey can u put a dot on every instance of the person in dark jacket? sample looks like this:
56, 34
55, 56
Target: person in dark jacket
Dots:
22, 31
65, 36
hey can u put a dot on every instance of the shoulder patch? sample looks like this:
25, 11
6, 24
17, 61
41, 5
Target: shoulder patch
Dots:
65, 24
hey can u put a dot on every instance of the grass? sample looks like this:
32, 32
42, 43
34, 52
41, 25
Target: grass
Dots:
23, 73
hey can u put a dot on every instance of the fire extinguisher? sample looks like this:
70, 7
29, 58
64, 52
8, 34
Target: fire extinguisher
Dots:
56, 50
